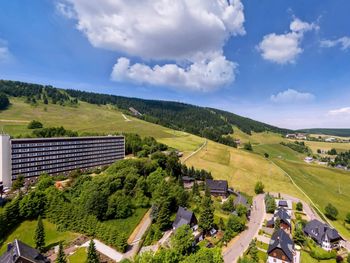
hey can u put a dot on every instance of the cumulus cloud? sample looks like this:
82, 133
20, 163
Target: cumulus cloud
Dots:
340, 112
183, 32
201, 76
4, 51
292, 96
285, 48
343, 42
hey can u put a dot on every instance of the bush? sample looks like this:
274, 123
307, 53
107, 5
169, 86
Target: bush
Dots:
331, 212
35, 125
259, 187
299, 206
4, 101
270, 203
248, 146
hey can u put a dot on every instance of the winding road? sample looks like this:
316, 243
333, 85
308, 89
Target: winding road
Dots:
237, 246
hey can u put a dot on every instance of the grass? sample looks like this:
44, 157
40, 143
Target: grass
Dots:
128, 225
258, 138
241, 169
25, 233
79, 256
340, 147
306, 258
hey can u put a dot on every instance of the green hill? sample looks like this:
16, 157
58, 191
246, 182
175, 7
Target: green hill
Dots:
206, 122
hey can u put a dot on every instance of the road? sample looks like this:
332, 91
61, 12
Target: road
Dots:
236, 248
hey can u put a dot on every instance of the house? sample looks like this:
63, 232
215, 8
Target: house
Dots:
237, 142
301, 136
281, 249
326, 237
18, 252
184, 217
291, 136
308, 159
286, 204
330, 139
217, 187
241, 200
285, 220
188, 181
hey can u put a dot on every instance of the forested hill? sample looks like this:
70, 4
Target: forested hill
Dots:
207, 122
329, 131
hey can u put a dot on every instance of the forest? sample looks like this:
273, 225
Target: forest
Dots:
210, 123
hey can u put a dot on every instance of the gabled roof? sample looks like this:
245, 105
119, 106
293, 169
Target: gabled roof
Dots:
217, 185
318, 231
283, 203
18, 249
241, 200
187, 179
281, 240
283, 215
183, 217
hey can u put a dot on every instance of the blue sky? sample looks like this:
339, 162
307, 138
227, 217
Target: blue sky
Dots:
282, 62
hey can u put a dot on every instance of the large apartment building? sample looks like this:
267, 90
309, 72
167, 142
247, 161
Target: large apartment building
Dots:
33, 157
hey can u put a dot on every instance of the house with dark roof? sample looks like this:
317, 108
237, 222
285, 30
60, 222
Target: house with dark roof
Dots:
242, 200
217, 187
188, 181
281, 249
326, 237
19, 252
184, 217
285, 220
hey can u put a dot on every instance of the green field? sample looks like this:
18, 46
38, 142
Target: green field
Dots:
306, 258
25, 233
79, 256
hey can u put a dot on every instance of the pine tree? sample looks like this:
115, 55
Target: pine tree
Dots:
195, 189
163, 219
277, 224
253, 251
206, 219
61, 257
92, 256
39, 236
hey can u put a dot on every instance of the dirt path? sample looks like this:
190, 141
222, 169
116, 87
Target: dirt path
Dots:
196, 151
15, 121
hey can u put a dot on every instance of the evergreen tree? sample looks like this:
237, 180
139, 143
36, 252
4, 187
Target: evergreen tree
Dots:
163, 219
92, 256
195, 189
61, 257
39, 236
206, 219
277, 224
253, 251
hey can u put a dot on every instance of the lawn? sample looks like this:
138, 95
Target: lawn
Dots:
128, 225
79, 256
340, 147
25, 233
257, 138
278, 151
306, 258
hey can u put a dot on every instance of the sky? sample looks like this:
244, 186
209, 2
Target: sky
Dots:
286, 63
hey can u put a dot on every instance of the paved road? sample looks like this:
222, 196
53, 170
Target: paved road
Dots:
236, 248
134, 244
106, 250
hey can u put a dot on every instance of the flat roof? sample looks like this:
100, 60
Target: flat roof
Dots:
66, 138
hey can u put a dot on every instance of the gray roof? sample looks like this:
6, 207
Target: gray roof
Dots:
217, 185
241, 200
184, 217
282, 214
283, 203
281, 240
18, 249
187, 178
318, 231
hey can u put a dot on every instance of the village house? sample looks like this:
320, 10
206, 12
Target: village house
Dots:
284, 217
188, 182
217, 187
281, 249
18, 252
187, 217
326, 237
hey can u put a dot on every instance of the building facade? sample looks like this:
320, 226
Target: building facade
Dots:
33, 157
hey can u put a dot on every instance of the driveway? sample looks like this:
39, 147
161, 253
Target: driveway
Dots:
106, 250
236, 248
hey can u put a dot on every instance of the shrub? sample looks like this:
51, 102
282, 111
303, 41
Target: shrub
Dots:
331, 212
259, 187
35, 125
299, 206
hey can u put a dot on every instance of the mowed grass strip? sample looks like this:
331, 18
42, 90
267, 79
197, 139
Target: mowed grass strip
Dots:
79, 256
25, 232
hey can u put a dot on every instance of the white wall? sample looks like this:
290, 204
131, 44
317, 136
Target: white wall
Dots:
5, 160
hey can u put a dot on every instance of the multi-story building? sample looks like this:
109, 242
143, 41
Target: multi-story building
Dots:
33, 157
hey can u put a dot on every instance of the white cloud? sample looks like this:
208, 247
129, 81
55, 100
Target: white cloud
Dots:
5, 54
340, 112
285, 48
292, 96
199, 76
343, 42
182, 32
65, 10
